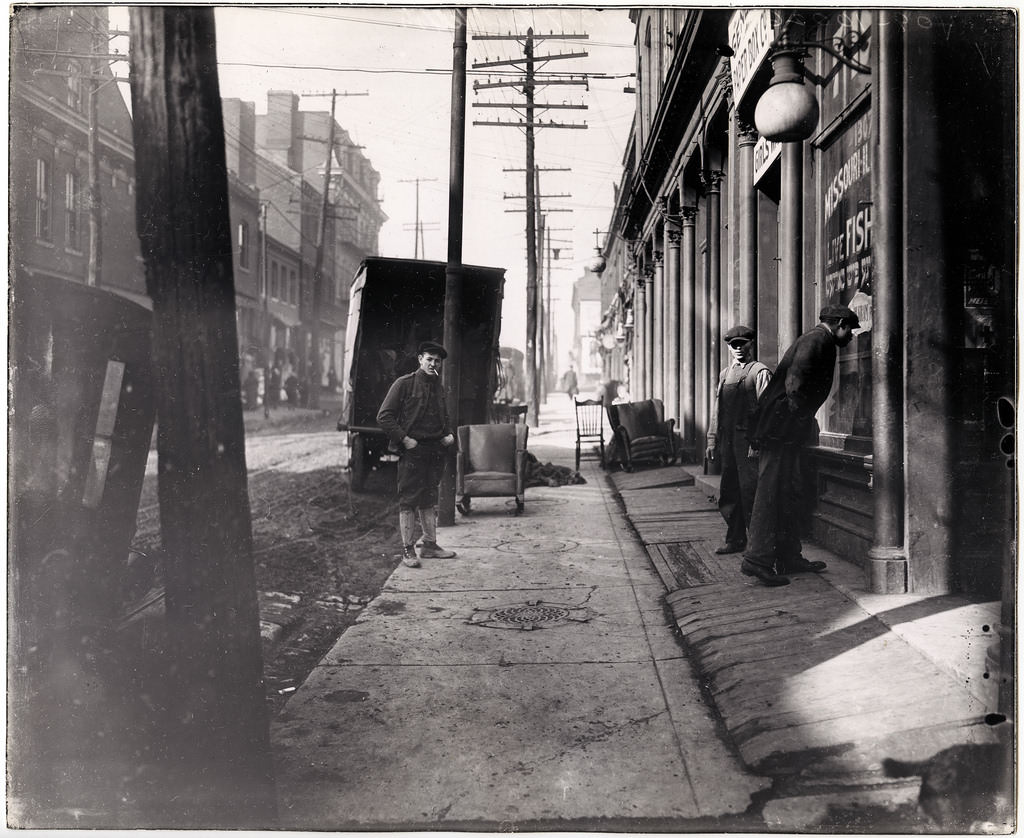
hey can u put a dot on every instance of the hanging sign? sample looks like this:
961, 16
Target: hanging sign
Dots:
766, 152
750, 36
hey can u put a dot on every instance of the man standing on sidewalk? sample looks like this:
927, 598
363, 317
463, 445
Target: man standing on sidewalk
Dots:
415, 418
799, 387
740, 387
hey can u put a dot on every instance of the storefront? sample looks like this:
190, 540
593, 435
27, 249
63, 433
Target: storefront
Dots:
900, 205
892, 192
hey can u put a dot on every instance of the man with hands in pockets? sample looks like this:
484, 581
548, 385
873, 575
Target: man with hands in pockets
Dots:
414, 415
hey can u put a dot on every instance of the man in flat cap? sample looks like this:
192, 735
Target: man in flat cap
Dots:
799, 387
414, 415
740, 387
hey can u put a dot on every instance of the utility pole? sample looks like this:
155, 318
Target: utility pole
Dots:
418, 230
543, 279
214, 754
453, 271
546, 326
315, 374
268, 353
529, 84
95, 265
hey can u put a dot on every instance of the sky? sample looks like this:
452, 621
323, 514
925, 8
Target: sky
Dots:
404, 123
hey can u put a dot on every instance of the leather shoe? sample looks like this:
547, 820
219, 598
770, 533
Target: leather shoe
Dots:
731, 547
772, 580
798, 564
430, 550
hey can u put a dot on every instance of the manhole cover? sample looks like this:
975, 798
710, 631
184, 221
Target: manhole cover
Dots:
526, 616
537, 545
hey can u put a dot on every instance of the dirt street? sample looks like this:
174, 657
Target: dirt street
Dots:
321, 552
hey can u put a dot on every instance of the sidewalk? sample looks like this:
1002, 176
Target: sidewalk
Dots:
534, 680
593, 665
818, 681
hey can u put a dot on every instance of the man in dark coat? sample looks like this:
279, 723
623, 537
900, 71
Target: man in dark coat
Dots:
414, 415
799, 387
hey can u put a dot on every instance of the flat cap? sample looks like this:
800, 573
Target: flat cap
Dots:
738, 333
433, 347
840, 313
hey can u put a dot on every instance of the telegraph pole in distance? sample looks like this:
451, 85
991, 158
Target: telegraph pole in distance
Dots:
316, 374
419, 230
318, 271
529, 84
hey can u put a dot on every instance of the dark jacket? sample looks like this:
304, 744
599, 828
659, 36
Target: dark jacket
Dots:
405, 403
799, 387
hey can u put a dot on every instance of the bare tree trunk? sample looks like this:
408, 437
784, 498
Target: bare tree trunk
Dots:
216, 742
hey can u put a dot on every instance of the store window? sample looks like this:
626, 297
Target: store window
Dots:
845, 226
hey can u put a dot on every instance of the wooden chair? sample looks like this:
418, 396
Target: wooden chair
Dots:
642, 433
513, 414
589, 427
491, 462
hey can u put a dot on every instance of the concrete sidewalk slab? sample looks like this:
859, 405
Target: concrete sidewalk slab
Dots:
481, 743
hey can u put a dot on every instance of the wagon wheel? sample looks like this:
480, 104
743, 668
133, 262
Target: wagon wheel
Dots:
358, 465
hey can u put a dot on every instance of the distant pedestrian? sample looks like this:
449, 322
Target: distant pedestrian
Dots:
291, 390
274, 386
414, 415
251, 390
570, 384
799, 387
740, 386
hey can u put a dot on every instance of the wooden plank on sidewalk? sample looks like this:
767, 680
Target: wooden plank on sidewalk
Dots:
651, 478
675, 530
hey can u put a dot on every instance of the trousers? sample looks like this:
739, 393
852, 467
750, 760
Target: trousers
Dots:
419, 474
738, 486
774, 531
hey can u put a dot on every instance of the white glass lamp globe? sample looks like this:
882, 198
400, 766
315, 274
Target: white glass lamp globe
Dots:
788, 110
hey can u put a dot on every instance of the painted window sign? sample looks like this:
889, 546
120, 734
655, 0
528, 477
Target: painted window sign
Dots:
847, 218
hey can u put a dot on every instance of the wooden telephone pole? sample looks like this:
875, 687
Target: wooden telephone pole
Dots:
453, 269
315, 372
215, 746
529, 83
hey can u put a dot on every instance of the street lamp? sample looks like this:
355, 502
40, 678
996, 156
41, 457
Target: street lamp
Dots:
788, 110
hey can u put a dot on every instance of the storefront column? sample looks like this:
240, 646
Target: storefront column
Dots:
649, 333
887, 566
790, 245
713, 191
672, 321
639, 385
748, 227
658, 336
687, 282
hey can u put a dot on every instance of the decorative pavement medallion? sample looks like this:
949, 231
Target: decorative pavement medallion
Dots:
529, 615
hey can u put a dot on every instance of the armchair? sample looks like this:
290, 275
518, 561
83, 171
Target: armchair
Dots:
491, 462
642, 433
